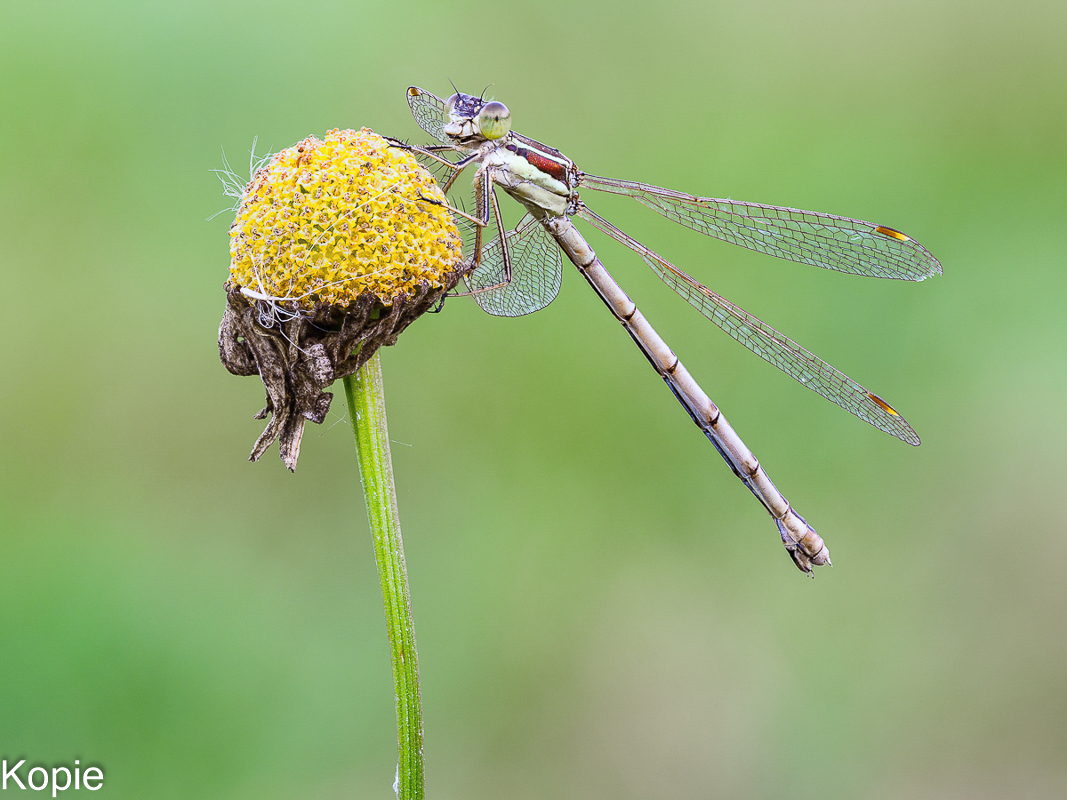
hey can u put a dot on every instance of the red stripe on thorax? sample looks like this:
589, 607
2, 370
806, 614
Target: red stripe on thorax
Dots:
546, 165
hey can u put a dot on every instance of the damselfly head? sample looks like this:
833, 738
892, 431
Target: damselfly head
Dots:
464, 120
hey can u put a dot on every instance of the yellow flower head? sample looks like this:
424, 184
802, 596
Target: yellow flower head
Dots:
327, 221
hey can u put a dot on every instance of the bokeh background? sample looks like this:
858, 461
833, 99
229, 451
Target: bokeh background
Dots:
603, 611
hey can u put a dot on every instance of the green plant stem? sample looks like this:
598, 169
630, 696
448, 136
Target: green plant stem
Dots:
366, 407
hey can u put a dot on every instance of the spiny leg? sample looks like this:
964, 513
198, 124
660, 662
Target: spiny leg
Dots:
431, 151
486, 199
481, 223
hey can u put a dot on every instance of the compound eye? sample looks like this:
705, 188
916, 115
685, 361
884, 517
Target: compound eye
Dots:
494, 120
450, 104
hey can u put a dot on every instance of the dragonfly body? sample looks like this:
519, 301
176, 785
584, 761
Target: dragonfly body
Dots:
518, 272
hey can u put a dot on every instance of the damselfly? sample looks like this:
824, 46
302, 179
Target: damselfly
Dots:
519, 272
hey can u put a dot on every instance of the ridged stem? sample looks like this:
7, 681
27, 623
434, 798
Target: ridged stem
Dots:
366, 407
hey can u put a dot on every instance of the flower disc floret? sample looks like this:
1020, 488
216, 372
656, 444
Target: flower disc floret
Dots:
325, 222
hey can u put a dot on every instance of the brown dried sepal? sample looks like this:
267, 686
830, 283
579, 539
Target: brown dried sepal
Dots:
298, 358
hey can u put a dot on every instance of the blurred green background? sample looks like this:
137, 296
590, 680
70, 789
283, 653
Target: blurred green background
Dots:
603, 611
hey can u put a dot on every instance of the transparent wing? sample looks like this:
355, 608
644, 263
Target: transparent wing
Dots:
536, 272
429, 112
767, 343
822, 240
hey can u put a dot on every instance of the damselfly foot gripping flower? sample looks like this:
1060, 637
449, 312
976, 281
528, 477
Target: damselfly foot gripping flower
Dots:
337, 246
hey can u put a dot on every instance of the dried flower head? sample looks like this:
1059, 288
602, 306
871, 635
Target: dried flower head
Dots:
336, 247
